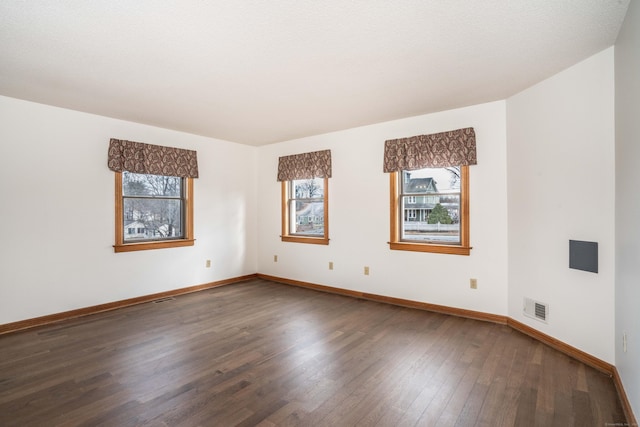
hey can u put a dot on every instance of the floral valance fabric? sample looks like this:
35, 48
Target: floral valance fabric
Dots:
316, 164
150, 159
452, 148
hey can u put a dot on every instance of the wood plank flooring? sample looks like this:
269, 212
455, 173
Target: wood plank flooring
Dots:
260, 353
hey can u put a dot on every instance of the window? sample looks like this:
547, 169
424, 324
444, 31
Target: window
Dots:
153, 195
155, 210
430, 210
304, 196
429, 187
305, 211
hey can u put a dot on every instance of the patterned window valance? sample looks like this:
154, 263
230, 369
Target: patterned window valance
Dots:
150, 159
437, 150
305, 166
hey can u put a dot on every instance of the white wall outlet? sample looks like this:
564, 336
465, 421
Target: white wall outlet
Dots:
275, 258
624, 342
473, 283
366, 271
208, 263
330, 265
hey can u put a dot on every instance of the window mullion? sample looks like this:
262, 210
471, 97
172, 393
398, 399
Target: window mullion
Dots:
154, 197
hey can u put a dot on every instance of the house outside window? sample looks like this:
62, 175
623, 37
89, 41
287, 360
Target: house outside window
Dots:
431, 215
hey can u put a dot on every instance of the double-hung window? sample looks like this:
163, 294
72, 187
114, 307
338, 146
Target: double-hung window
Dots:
152, 210
429, 191
304, 197
430, 210
305, 211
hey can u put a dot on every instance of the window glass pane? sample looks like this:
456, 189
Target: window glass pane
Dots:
308, 188
136, 184
432, 213
152, 218
308, 218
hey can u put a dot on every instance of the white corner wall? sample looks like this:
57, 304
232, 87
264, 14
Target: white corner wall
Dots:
561, 184
359, 217
627, 62
57, 213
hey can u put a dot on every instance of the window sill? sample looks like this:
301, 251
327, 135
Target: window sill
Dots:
145, 246
421, 247
311, 240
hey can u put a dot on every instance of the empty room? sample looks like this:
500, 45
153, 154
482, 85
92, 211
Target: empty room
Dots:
339, 213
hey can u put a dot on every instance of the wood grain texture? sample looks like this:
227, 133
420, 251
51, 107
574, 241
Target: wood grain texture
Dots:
268, 354
86, 311
546, 339
478, 315
626, 405
577, 354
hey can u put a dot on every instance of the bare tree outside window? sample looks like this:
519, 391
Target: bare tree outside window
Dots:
454, 179
308, 215
152, 206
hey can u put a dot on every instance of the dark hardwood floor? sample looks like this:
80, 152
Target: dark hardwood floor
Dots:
262, 353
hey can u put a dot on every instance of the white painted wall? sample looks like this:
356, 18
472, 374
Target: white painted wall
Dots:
359, 217
560, 157
57, 213
627, 61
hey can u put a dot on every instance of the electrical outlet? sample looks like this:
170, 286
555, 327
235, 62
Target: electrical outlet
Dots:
208, 263
473, 283
366, 271
330, 265
624, 342
275, 258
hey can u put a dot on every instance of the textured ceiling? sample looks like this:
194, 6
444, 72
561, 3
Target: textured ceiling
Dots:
257, 72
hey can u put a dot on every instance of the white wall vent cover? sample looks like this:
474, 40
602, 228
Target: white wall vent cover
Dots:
536, 310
